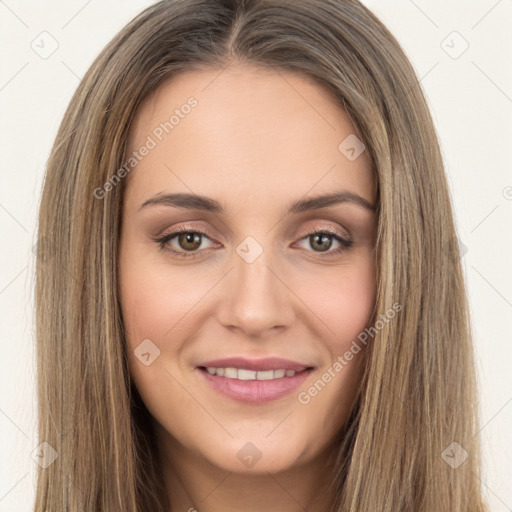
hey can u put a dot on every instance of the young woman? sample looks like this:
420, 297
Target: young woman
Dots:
249, 293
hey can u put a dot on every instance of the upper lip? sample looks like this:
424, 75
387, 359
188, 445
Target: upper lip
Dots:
268, 363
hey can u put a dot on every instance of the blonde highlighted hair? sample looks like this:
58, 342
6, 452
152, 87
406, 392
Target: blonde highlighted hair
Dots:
418, 394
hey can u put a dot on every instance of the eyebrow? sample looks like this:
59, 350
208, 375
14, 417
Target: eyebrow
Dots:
197, 202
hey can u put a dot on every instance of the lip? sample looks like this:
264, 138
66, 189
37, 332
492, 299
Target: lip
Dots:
268, 363
255, 391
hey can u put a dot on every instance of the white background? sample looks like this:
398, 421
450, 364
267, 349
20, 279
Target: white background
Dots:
471, 100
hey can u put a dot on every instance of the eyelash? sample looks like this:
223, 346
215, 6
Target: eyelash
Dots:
166, 238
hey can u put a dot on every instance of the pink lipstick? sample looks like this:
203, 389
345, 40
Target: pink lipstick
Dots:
254, 380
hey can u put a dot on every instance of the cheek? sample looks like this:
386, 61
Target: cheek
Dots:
345, 304
343, 300
154, 300
155, 303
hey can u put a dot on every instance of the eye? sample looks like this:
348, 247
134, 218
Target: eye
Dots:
189, 241
321, 241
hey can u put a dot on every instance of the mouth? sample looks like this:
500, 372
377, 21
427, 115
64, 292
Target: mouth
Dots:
253, 381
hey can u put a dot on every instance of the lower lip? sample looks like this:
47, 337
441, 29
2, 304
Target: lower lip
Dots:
255, 391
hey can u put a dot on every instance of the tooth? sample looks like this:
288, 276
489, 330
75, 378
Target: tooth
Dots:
231, 373
243, 374
265, 375
246, 374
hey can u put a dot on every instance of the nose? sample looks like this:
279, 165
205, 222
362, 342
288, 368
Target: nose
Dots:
258, 301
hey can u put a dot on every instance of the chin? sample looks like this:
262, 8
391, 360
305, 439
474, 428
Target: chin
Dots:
256, 455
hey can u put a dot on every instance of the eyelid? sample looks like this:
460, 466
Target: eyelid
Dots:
324, 228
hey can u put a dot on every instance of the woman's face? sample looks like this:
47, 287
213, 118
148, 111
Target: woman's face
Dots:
247, 278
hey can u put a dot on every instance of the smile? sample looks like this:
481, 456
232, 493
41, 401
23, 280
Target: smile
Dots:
255, 382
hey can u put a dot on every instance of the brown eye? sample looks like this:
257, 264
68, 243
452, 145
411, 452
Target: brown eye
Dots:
321, 242
189, 241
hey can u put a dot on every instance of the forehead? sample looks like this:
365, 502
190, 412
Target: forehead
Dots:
245, 128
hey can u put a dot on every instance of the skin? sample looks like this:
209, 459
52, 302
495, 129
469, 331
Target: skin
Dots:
256, 141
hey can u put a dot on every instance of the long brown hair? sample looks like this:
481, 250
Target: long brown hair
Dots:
418, 394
